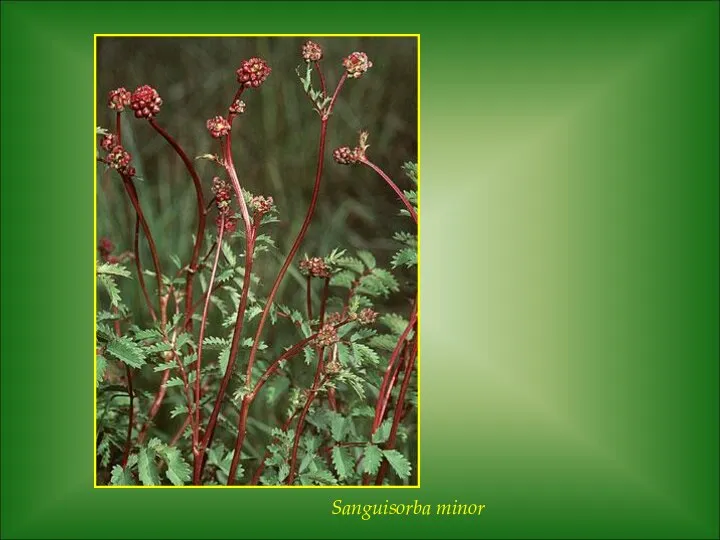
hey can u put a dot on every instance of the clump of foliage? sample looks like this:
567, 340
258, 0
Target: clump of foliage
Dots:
340, 369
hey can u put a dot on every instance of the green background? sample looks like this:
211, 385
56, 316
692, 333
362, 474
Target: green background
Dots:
569, 292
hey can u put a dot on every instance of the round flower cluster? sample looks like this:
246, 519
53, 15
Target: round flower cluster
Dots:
109, 142
312, 52
367, 316
238, 107
118, 158
118, 99
145, 101
105, 247
253, 72
326, 336
261, 205
222, 200
345, 155
218, 127
314, 267
356, 64
334, 318
333, 367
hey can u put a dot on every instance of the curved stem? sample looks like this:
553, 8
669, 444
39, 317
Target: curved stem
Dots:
203, 324
384, 394
293, 249
247, 401
399, 407
132, 192
322, 78
330, 107
201, 212
317, 383
392, 184
155, 407
138, 267
209, 431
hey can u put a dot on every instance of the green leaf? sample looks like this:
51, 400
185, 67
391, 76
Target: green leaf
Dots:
178, 471
363, 353
383, 432
121, 477
127, 351
338, 425
352, 264
398, 462
372, 459
367, 258
215, 343
224, 359
385, 342
114, 269
322, 477
344, 354
101, 367
343, 462
111, 287
405, 257
395, 323
147, 470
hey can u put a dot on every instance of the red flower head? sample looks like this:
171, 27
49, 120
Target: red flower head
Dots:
218, 127
222, 194
345, 156
261, 205
238, 107
230, 224
356, 64
145, 101
109, 142
118, 99
366, 316
118, 158
312, 52
105, 247
326, 336
253, 72
314, 267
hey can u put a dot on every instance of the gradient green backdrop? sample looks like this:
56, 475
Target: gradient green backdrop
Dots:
569, 275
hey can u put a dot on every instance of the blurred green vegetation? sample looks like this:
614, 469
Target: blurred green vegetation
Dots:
275, 150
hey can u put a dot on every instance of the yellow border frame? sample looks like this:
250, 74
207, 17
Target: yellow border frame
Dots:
95, 485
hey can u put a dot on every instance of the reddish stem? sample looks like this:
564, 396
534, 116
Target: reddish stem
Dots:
132, 192
392, 184
203, 324
384, 395
399, 407
180, 431
202, 213
249, 398
322, 78
301, 421
155, 408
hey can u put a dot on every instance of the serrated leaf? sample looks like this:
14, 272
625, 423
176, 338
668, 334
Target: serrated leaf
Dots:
147, 470
405, 257
367, 258
383, 432
127, 351
121, 477
322, 477
352, 264
342, 461
113, 269
363, 353
398, 462
344, 354
178, 471
372, 458
224, 359
101, 367
111, 287
338, 425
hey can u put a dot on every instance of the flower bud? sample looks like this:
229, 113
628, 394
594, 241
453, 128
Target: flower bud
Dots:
253, 72
145, 101
356, 64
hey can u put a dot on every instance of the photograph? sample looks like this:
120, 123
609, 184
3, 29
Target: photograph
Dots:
256, 248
